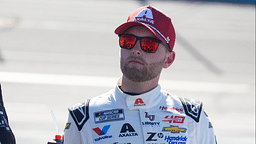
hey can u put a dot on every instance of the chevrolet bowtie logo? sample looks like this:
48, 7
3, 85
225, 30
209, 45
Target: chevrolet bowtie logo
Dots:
174, 129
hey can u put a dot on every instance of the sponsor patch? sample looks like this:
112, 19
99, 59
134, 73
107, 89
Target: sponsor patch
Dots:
103, 137
175, 129
205, 114
102, 132
150, 117
145, 16
127, 131
176, 139
67, 126
174, 119
210, 125
151, 124
171, 109
139, 102
109, 115
153, 136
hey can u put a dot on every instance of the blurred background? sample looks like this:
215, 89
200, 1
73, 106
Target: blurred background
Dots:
56, 53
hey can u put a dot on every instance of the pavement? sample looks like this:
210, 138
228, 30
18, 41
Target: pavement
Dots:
54, 54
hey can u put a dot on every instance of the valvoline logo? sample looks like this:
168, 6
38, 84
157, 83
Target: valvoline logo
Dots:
102, 132
139, 102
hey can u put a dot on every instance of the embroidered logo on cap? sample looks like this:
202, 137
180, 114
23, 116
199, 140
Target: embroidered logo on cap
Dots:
168, 39
139, 102
145, 16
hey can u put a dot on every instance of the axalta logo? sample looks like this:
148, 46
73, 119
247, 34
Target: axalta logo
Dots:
139, 102
174, 129
127, 131
102, 132
171, 108
174, 119
145, 16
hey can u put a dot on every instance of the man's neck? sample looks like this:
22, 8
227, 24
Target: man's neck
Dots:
138, 87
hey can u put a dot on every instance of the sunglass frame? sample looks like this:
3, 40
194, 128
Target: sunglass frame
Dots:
140, 38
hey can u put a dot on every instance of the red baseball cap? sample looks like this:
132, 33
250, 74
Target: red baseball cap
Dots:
156, 21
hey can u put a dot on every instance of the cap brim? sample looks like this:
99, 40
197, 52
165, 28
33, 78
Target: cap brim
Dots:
122, 28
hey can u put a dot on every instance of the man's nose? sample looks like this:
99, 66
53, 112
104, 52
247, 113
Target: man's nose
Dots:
136, 50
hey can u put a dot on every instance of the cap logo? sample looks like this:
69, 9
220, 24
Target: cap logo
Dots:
168, 39
145, 16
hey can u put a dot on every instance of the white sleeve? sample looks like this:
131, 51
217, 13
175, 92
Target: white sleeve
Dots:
205, 131
77, 130
71, 134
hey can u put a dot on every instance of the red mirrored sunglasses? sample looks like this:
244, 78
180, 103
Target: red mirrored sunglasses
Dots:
147, 44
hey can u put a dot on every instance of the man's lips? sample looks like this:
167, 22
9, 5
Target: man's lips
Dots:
136, 61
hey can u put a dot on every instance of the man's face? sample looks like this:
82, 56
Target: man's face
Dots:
140, 66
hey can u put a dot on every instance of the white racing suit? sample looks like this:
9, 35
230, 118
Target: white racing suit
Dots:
155, 117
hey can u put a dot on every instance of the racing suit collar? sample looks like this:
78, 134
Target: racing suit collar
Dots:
142, 101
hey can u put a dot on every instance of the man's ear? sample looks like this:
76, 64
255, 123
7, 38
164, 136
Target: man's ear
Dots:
170, 56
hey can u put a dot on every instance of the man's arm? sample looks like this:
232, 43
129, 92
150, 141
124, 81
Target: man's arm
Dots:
77, 129
205, 130
204, 133
6, 135
71, 133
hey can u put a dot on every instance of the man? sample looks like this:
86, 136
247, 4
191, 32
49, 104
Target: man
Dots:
6, 135
138, 111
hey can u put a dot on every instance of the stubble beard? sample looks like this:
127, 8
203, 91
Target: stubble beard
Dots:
144, 74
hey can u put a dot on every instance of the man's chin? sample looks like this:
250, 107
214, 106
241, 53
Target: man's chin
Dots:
135, 74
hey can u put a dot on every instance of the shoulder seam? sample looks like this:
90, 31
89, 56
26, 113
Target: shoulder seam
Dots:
80, 114
192, 108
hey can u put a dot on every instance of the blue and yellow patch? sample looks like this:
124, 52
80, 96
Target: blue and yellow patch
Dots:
67, 126
210, 125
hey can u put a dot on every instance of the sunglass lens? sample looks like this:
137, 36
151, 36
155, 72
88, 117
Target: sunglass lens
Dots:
127, 41
149, 45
